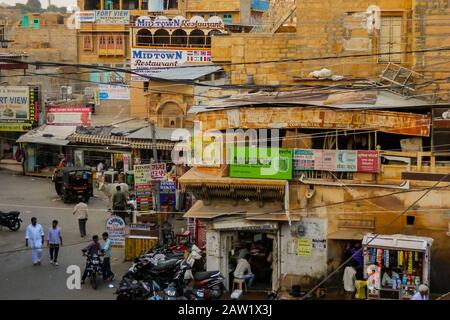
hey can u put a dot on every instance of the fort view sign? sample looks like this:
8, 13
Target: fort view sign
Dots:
179, 22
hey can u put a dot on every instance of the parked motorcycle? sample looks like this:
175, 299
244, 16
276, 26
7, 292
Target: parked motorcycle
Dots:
93, 268
10, 220
138, 290
207, 285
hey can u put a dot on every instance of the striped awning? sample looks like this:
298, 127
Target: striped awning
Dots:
120, 141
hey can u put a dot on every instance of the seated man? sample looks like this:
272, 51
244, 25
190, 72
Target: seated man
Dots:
243, 271
93, 248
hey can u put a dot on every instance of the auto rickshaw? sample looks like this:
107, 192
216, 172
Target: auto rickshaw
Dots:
73, 184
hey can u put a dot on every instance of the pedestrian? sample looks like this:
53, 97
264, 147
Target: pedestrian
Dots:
81, 211
108, 275
422, 294
244, 271
349, 279
100, 167
34, 239
119, 200
93, 248
54, 241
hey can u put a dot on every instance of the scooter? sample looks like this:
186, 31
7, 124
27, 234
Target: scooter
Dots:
10, 220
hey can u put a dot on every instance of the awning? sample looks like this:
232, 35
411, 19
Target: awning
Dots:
398, 241
348, 235
51, 135
249, 211
119, 141
245, 225
161, 133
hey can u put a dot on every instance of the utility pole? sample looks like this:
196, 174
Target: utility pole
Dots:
156, 184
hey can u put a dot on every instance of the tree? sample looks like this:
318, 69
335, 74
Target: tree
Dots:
53, 8
34, 5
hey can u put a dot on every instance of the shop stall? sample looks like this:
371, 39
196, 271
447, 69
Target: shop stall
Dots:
395, 265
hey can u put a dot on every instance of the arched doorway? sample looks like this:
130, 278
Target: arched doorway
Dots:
144, 37
161, 37
179, 38
197, 38
210, 34
170, 115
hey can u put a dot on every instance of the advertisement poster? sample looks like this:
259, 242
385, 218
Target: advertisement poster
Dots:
112, 16
329, 160
158, 171
346, 160
303, 159
167, 193
143, 187
368, 161
115, 226
111, 92
15, 104
148, 62
69, 116
270, 163
304, 247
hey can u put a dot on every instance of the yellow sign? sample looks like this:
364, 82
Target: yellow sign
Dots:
304, 247
15, 127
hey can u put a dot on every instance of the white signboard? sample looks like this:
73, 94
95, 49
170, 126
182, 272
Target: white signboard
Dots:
115, 226
14, 103
111, 92
158, 171
179, 22
148, 62
85, 16
112, 16
69, 116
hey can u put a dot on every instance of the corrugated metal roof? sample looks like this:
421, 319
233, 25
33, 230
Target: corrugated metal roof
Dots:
53, 135
161, 133
186, 73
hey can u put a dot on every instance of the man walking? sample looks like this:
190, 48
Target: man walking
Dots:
81, 212
349, 279
34, 238
119, 200
106, 251
54, 241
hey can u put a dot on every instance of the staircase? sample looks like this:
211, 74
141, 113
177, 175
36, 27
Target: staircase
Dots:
280, 12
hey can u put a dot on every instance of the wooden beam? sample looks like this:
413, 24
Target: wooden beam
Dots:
423, 176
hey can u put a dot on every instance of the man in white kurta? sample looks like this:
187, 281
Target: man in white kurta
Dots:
34, 238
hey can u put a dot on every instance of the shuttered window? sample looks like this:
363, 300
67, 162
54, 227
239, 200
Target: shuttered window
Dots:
390, 39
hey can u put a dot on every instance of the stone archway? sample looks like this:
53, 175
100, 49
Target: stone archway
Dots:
170, 115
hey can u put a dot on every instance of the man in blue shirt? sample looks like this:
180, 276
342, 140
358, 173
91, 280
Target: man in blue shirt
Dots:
106, 251
54, 241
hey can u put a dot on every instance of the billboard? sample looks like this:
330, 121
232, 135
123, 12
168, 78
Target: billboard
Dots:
265, 163
15, 104
112, 92
148, 62
69, 116
179, 22
112, 16
85, 16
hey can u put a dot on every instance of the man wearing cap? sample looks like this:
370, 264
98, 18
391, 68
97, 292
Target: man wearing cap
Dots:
422, 294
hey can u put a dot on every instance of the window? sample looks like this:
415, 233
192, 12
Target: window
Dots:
102, 42
36, 23
144, 37
87, 43
227, 18
119, 42
2, 33
390, 39
24, 21
110, 42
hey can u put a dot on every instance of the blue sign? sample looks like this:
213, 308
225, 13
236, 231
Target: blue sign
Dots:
103, 95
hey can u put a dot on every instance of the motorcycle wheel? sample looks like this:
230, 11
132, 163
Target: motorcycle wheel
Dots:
216, 292
15, 226
93, 279
190, 295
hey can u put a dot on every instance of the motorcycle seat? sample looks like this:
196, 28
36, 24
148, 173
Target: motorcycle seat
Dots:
165, 264
198, 276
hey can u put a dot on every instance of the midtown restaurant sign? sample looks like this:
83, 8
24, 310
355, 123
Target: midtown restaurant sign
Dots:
195, 22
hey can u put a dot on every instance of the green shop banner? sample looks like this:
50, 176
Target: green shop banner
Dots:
263, 163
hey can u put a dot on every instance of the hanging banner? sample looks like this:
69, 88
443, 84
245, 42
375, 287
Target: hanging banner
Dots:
304, 247
111, 92
115, 226
69, 116
112, 16
368, 161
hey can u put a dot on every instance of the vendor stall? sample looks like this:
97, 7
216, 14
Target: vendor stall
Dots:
395, 265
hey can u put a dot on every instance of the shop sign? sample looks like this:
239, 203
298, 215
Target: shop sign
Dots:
346, 160
34, 104
158, 171
179, 22
69, 116
303, 159
15, 104
112, 92
368, 161
265, 163
139, 227
142, 174
115, 226
245, 226
85, 16
143, 186
149, 62
167, 193
304, 247
15, 127
112, 16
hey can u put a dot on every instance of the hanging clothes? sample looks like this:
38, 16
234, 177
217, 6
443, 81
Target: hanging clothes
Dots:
410, 262
380, 257
400, 258
386, 258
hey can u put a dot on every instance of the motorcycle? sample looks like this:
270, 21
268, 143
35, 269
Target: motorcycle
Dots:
93, 268
138, 290
10, 220
207, 285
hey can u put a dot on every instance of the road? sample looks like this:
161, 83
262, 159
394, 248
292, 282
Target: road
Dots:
19, 279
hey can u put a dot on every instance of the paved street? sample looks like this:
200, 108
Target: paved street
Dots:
19, 279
